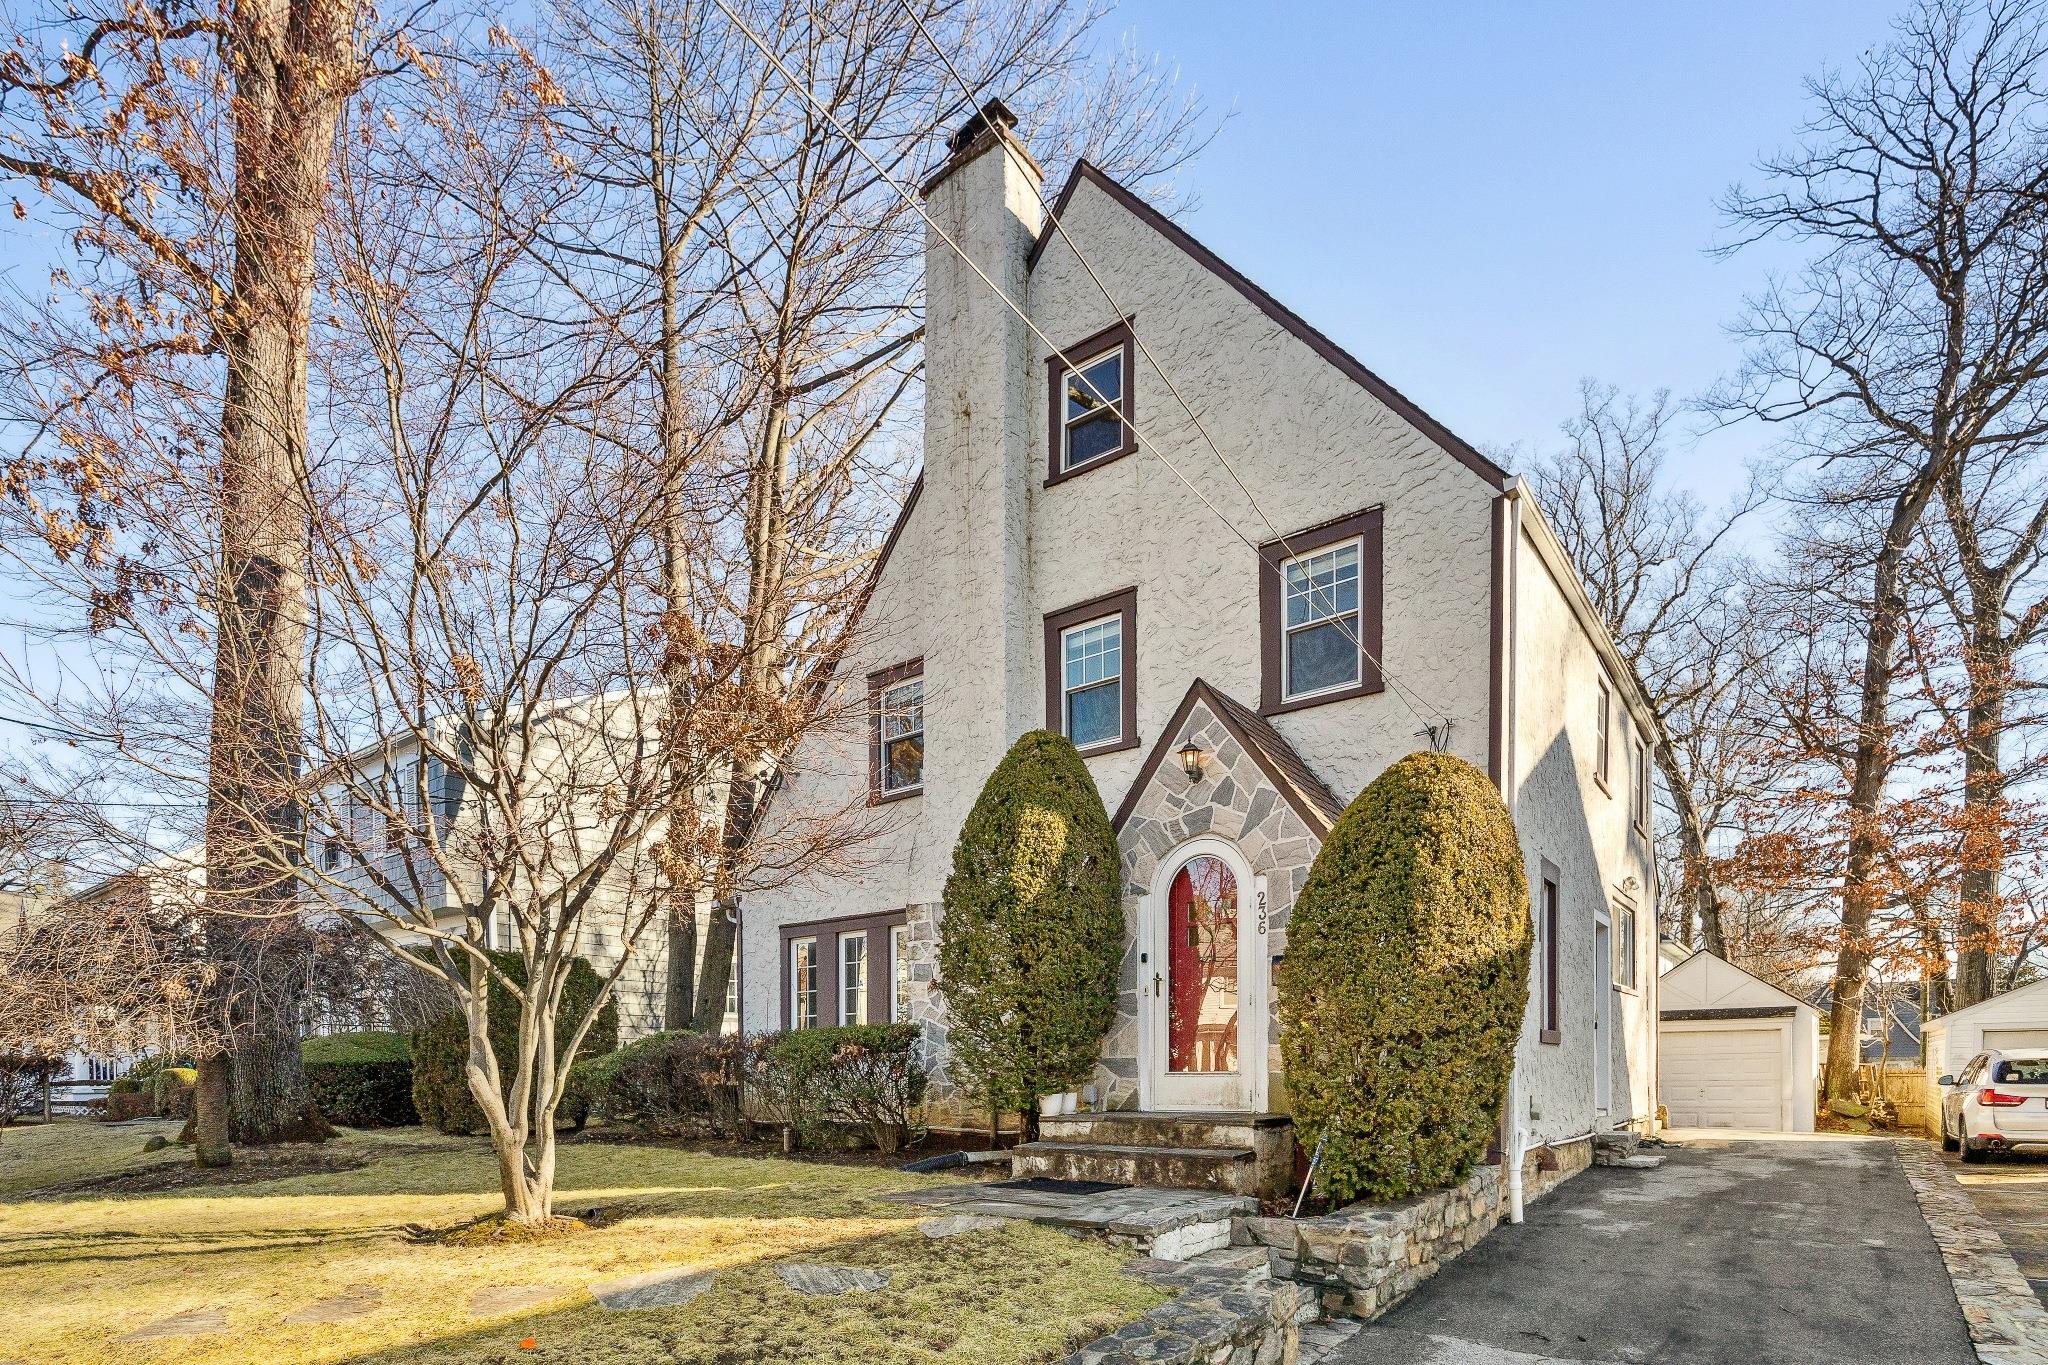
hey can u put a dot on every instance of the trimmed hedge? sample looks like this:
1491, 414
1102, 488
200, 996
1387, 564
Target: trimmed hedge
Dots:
440, 1051
870, 1076
1405, 981
673, 1082
362, 1080
170, 1090
1034, 930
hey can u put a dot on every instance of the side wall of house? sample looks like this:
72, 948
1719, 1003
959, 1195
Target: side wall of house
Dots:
1571, 822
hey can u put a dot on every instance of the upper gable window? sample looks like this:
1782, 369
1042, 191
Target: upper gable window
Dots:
896, 737
1091, 655
1319, 613
1092, 419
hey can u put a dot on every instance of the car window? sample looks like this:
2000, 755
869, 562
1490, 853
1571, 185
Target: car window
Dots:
2022, 1071
1969, 1076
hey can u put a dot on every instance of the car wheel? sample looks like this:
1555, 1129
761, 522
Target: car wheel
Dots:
1948, 1142
1973, 1153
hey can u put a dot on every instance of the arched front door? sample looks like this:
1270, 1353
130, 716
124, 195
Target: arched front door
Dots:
1204, 982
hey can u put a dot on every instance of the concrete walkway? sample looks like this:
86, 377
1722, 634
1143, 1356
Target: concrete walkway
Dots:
1750, 1250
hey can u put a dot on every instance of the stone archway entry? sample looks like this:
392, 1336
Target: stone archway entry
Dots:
1204, 982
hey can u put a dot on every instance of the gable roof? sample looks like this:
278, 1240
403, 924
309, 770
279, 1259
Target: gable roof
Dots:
1288, 320
1942, 1021
1283, 767
1697, 963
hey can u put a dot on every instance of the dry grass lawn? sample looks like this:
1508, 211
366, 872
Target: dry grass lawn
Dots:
82, 1267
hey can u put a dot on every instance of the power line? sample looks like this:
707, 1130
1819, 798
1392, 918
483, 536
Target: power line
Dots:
1116, 408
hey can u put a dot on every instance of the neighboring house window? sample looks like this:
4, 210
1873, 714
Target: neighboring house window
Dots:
896, 738
1092, 419
1625, 946
1642, 786
828, 970
330, 853
1091, 682
853, 978
803, 983
1320, 598
899, 973
1603, 742
1548, 924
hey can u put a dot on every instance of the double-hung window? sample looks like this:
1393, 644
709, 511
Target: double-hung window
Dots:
1319, 613
1549, 960
896, 706
1642, 787
1091, 672
853, 978
803, 983
899, 973
1603, 740
1091, 418
1625, 946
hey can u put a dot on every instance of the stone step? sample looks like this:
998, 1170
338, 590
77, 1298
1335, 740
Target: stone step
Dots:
1155, 1128
1231, 1170
1610, 1149
1235, 1258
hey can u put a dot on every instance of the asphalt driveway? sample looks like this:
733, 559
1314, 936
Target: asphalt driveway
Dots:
1737, 1251
2011, 1191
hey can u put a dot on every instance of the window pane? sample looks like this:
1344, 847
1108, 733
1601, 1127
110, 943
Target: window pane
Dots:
1095, 653
1092, 437
803, 983
1323, 656
903, 709
1095, 715
1095, 385
853, 978
899, 954
1322, 585
903, 763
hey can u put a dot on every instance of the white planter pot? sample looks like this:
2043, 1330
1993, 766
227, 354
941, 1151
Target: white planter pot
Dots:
1049, 1106
1070, 1103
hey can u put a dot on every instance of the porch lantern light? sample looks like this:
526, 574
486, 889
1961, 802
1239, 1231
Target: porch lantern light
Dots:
1191, 757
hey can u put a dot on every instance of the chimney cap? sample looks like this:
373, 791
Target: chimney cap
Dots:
993, 116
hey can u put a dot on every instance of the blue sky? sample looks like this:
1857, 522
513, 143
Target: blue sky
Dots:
1486, 202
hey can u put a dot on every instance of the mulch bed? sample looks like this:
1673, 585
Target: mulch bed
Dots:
253, 1165
935, 1144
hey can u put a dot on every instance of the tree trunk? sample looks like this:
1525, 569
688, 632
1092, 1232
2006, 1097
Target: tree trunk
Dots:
714, 977
211, 1110
1983, 842
1701, 899
293, 61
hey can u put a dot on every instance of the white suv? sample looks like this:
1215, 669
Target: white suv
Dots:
1998, 1102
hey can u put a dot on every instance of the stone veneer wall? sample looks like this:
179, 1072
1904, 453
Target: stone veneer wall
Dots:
1366, 1258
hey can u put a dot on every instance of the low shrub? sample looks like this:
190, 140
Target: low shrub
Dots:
676, 1082
123, 1105
22, 1078
440, 1050
125, 1085
868, 1075
362, 1080
170, 1091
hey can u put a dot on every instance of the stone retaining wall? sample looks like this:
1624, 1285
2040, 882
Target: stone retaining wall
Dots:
1366, 1258
1216, 1317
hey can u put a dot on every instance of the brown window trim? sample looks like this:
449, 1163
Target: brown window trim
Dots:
1056, 372
1125, 604
879, 681
1550, 1019
828, 932
1369, 526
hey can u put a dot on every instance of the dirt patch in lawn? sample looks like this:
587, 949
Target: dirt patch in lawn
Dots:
253, 1166
937, 1144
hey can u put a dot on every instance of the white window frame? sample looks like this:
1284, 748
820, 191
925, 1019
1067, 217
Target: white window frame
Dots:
1641, 795
800, 948
1356, 544
1113, 679
1114, 407
885, 709
1603, 744
899, 973
1625, 948
847, 991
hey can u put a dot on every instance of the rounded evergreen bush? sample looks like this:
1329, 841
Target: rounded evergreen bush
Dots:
1406, 976
363, 1079
1034, 928
440, 1050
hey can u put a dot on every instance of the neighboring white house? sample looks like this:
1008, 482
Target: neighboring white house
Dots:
2013, 1020
1380, 580
1734, 1051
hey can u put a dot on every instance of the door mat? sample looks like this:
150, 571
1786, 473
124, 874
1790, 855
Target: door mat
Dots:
1045, 1184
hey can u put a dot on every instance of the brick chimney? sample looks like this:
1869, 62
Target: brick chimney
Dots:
978, 444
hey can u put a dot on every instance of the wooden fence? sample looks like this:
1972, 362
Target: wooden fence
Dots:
1907, 1088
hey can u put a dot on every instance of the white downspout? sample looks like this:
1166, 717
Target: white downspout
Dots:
1517, 1144
1511, 532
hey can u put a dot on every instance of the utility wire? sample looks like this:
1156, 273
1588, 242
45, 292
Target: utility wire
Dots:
1408, 699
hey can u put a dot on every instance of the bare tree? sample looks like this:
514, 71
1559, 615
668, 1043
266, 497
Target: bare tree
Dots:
1659, 572
1912, 338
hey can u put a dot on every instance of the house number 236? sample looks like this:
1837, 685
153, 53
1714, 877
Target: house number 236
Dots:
1259, 900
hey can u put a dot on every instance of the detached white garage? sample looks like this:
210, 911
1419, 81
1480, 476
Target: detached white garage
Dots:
1734, 1051
2016, 1019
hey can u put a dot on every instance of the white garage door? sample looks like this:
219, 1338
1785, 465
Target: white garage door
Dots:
1715, 1079
2007, 1039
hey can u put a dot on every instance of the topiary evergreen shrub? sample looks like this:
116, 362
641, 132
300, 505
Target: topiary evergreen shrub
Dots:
1406, 975
440, 1050
1034, 929
362, 1080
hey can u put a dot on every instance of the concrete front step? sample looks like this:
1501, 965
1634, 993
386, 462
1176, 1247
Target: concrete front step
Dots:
1161, 1128
1230, 1170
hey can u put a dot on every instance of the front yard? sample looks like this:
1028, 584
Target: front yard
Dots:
95, 1247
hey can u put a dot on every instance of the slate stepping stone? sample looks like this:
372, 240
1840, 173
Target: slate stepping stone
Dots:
199, 1322
954, 1224
656, 1289
494, 1300
827, 1281
359, 1301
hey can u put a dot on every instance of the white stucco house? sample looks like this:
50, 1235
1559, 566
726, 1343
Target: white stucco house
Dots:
1734, 1051
1238, 637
